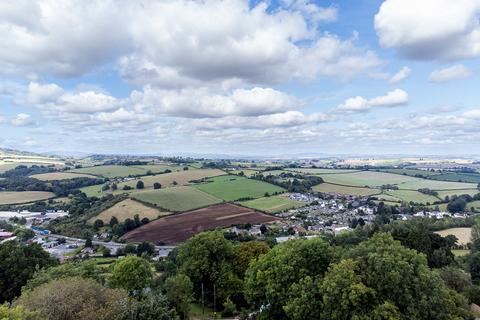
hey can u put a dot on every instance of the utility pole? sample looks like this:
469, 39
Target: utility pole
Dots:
203, 305
214, 303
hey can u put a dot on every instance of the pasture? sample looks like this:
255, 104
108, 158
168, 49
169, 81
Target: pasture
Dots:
169, 179
411, 172
375, 179
411, 195
128, 208
444, 193
178, 228
435, 185
464, 235
18, 197
232, 188
273, 204
117, 171
474, 204
112, 171
319, 171
345, 190
177, 199
366, 178
5, 166
246, 172
51, 176
459, 177
172, 179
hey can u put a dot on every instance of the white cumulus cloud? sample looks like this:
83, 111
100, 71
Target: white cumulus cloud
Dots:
430, 29
393, 98
451, 73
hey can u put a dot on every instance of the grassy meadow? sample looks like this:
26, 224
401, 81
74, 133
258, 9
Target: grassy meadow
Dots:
128, 208
177, 199
272, 204
356, 191
52, 176
232, 188
17, 197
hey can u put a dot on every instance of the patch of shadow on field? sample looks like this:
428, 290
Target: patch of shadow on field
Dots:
178, 228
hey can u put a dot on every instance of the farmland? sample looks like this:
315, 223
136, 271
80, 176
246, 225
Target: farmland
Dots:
272, 204
116, 171
456, 176
463, 234
165, 179
443, 193
174, 178
177, 199
435, 185
17, 197
376, 179
51, 176
411, 172
333, 188
231, 188
411, 195
178, 228
128, 209
315, 171
366, 178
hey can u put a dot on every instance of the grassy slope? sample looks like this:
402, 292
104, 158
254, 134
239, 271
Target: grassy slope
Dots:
128, 209
409, 195
231, 188
357, 191
13, 197
60, 176
272, 204
177, 199
165, 179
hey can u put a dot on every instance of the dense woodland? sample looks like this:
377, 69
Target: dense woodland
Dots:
402, 270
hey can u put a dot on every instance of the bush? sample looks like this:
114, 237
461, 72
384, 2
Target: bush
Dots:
75, 298
229, 308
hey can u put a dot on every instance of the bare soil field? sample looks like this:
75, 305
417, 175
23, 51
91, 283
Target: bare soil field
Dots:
178, 228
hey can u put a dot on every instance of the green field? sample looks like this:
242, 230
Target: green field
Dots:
246, 172
177, 199
387, 197
410, 195
375, 179
231, 188
17, 197
459, 177
115, 171
435, 185
366, 178
411, 172
318, 171
12, 165
474, 204
166, 180
444, 193
356, 191
52, 176
272, 204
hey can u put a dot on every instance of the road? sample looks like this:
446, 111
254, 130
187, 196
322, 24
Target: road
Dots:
113, 246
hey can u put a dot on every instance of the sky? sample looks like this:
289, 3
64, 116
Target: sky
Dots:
235, 77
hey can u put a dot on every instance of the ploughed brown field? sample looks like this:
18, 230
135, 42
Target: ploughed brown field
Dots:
176, 229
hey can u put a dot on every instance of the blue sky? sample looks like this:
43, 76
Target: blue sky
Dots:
259, 78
